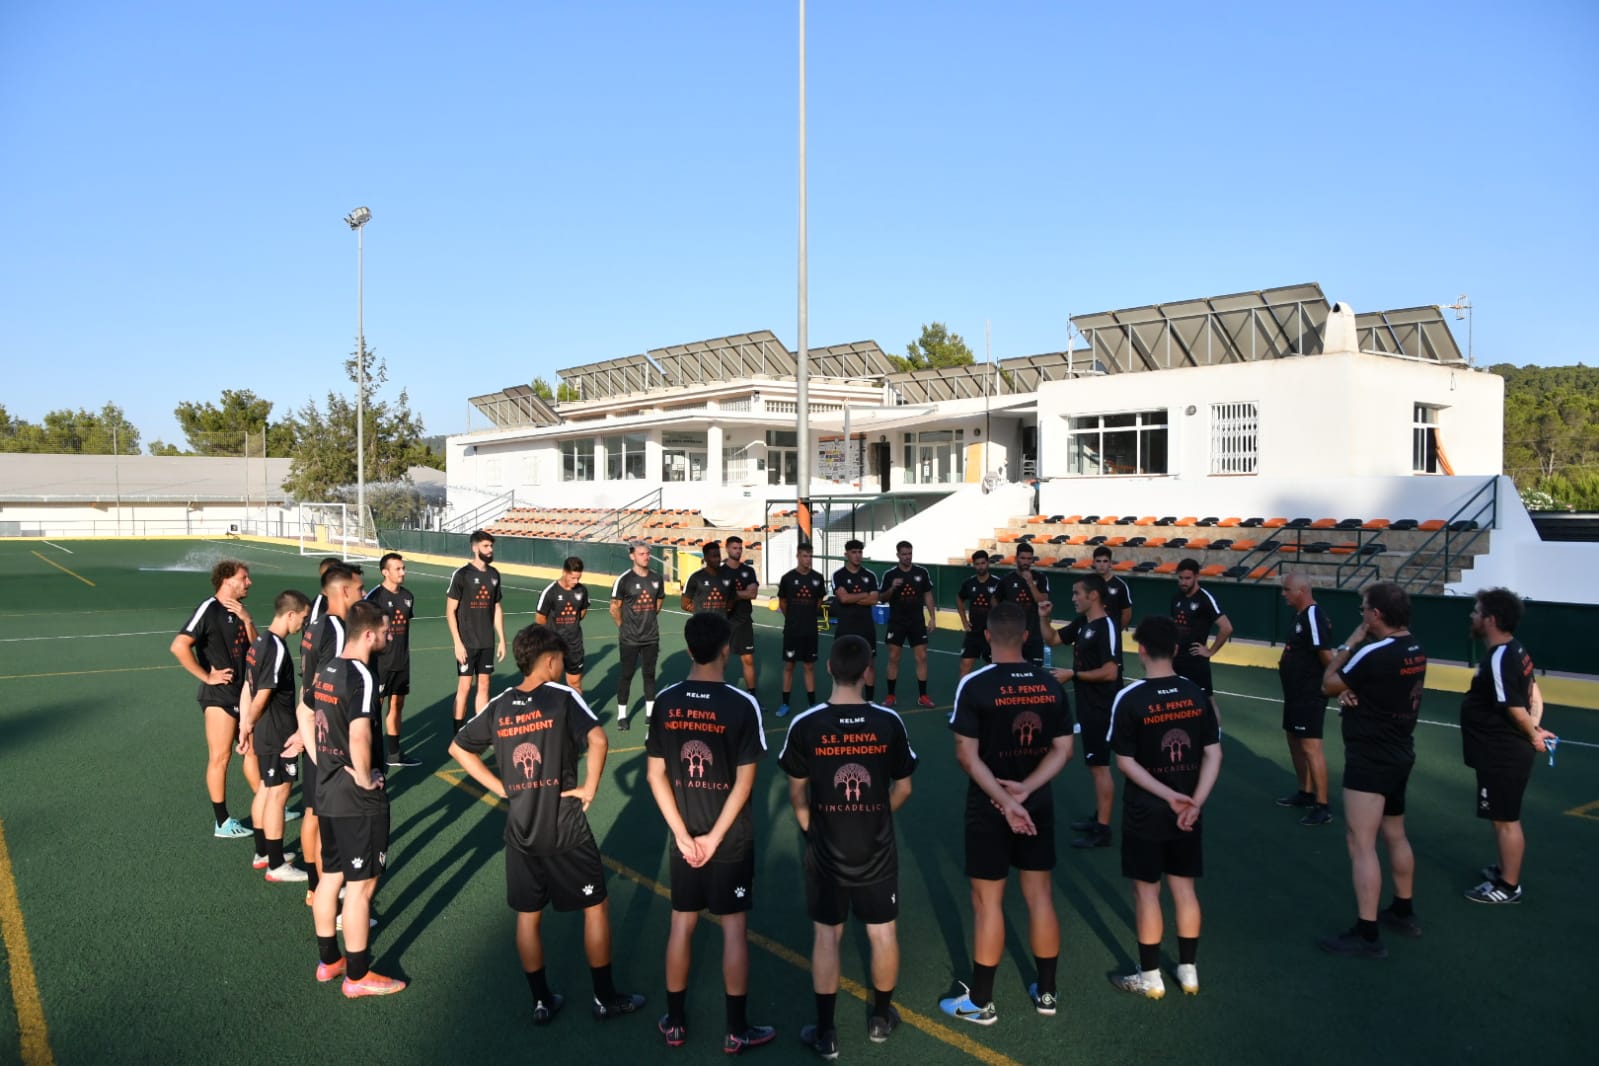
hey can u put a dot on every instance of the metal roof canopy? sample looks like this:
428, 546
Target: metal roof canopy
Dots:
516, 405
1417, 332
1237, 328
862, 359
1026, 372
741, 355
613, 377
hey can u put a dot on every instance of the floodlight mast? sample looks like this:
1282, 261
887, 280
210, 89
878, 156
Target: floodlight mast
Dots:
802, 392
357, 221
1462, 309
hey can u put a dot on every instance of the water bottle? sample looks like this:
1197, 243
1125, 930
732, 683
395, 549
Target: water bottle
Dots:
1049, 656
1549, 746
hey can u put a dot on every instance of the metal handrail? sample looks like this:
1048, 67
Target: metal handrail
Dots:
473, 519
1485, 518
651, 499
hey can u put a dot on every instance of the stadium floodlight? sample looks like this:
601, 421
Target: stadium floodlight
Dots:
357, 220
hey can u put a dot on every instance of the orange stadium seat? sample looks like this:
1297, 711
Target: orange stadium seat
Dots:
1213, 570
1432, 525
1165, 568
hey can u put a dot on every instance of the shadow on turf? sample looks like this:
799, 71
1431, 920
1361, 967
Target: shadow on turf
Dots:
424, 898
35, 723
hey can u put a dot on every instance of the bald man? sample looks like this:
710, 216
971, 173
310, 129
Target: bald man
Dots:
1306, 653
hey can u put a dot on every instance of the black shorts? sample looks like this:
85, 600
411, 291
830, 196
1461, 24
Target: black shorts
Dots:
1092, 731
868, 635
1144, 859
224, 696
742, 641
992, 849
275, 769
1499, 796
974, 646
356, 847
569, 880
395, 682
1386, 781
1196, 670
830, 902
572, 658
1303, 717
902, 631
718, 887
478, 661
799, 647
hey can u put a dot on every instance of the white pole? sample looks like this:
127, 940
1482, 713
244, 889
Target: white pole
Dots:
802, 396
360, 382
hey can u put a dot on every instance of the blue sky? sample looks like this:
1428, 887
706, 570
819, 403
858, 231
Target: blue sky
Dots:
554, 184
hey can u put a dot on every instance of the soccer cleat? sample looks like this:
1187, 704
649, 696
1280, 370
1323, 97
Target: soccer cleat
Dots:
879, 1027
754, 1036
544, 1013
925, 701
782, 711
373, 984
287, 874
676, 1033
232, 829
402, 759
1494, 892
260, 861
1352, 945
1138, 983
890, 699
1409, 925
330, 971
1320, 814
822, 1041
1188, 977
623, 724
1098, 837
1298, 799
618, 1005
1083, 825
1044, 1003
962, 1007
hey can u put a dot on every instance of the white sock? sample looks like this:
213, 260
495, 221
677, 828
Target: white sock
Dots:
649, 709
621, 711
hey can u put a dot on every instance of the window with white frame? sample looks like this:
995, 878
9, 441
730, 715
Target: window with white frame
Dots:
935, 457
1234, 438
577, 459
624, 457
782, 457
683, 456
1131, 442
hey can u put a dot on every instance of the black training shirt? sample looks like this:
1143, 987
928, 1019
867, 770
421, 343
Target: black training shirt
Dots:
1015, 711
706, 730
1163, 724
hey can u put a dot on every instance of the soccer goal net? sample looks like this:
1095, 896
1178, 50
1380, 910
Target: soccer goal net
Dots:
334, 529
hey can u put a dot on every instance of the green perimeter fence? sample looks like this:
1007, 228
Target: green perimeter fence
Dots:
1557, 634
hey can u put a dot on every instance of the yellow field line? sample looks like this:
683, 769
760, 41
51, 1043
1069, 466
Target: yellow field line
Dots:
64, 570
914, 1019
82, 673
24, 986
1587, 810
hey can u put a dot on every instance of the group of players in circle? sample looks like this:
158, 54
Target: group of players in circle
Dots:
848, 760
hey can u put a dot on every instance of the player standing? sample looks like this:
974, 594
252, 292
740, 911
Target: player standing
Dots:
351, 802
1196, 612
1168, 746
976, 598
1013, 735
1027, 588
636, 602
849, 764
476, 618
212, 646
394, 662
539, 729
562, 606
799, 597
1096, 677
268, 726
908, 591
746, 586
855, 590
1306, 653
703, 751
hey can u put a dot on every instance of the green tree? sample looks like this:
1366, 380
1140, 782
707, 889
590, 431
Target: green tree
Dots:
221, 429
69, 432
564, 394
1552, 432
323, 463
936, 347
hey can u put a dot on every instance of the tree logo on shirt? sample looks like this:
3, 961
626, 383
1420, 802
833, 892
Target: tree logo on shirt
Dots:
852, 777
698, 756
1027, 726
321, 728
527, 759
1175, 744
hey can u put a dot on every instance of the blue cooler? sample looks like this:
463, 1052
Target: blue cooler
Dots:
880, 613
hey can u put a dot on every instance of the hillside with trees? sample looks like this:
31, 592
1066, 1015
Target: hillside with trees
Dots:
1552, 434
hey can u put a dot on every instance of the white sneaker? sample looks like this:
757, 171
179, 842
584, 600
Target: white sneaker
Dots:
1140, 983
1188, 977
288, 873
260, 861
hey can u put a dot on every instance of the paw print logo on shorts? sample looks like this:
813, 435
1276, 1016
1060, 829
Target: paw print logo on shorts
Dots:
355, 864
588, 890
893, 897
739, 892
